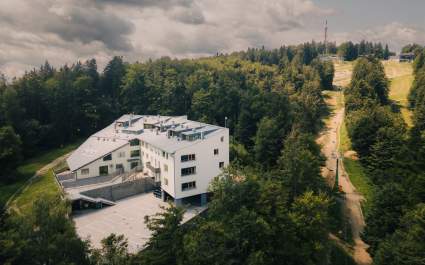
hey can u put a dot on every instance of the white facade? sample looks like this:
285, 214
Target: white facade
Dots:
182, 155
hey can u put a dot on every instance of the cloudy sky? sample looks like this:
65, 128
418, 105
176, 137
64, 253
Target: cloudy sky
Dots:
63, 31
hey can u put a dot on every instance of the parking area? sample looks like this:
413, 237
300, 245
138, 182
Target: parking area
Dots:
127, 218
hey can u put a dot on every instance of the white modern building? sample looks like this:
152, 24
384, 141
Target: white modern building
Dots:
182, 156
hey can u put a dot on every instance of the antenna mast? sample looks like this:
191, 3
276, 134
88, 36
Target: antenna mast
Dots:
326, 37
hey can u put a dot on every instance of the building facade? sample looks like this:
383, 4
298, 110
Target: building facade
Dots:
181, 155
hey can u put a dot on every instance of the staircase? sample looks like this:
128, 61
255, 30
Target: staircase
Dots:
157, 192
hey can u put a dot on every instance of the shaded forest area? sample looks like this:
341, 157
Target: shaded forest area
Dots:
393, 157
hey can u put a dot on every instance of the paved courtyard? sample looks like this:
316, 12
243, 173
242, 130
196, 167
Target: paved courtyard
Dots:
127, 218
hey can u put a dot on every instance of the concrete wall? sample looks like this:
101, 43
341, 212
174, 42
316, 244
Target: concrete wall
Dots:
122, 190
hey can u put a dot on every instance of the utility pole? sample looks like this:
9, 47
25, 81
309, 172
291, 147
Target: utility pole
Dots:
326, 37
337, 174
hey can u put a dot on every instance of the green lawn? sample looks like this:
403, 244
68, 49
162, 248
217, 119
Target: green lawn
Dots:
28, 169
355, 170
399, 91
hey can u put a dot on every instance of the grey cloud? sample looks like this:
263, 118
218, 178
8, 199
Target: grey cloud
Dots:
165, 4
87, 25
194, 43
63, 31
192, 15
72, 21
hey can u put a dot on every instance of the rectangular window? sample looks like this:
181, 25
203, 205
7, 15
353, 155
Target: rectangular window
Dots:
222, 138
107, 157
134, 142
165, 168
221, 164
188, 171
85, 171
135, 153
119, 167
189, 185
216, 151
134, 164
185, 158
103, 170
163, 154
166, 181
121, 154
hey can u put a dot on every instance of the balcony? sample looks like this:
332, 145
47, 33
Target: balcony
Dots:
152, 168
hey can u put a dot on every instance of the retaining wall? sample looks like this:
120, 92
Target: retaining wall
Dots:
122, 190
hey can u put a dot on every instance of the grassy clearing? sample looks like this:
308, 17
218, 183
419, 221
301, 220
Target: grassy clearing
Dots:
401, 78
343, 72
399, 91
29, 168
394, 69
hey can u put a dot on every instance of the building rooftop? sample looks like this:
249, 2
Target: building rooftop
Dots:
164, 132
92, 149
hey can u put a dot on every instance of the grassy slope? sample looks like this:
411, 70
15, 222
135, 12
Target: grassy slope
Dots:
28, 169
42, 186
401, 80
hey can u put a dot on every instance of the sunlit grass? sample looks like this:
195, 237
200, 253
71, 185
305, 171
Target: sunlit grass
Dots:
399, 91
42, 186
394, 69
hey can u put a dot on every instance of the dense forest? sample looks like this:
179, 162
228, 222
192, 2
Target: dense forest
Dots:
393, 156
350, 51
270, 206
49, 107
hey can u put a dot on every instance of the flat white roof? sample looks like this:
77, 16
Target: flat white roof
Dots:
131, 126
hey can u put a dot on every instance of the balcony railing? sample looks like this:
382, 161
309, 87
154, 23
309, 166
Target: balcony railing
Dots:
152, 168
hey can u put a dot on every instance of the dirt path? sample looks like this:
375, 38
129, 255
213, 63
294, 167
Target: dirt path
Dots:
352, 205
